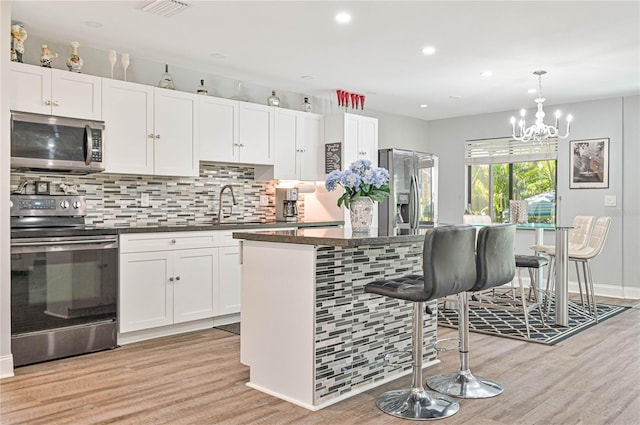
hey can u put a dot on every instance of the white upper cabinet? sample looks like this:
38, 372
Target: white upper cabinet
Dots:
358, 135
219, 129
256, 133
128, 115
54, 92
236, 132
176, 147
150, 130
297, 144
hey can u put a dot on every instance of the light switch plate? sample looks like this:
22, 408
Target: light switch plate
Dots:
610, 201
264, 200
144, 200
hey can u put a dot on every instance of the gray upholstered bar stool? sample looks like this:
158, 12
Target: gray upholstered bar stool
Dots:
448, 264
495, 266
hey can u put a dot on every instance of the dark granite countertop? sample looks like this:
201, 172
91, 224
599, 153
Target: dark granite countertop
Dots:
328, 237
104, 230
226, 226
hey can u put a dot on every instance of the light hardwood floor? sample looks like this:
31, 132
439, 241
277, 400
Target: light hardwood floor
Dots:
591, 378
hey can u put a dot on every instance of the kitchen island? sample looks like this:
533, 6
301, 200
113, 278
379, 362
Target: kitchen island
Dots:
309, 332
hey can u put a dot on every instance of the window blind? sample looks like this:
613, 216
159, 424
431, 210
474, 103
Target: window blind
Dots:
507, 150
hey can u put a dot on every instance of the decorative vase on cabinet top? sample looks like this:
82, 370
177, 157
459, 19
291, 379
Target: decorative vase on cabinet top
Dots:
273, 100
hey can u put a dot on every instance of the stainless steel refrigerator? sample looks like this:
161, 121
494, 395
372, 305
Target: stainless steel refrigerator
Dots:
413, 199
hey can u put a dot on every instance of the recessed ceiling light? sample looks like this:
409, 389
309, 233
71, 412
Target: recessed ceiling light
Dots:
424, 105
217, 56
486, 73
428, 50
455, 97
343, 17
93, 24
306, 77
532, 91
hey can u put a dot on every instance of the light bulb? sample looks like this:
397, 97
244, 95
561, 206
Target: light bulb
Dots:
523, 112
558, 114
512, 120
569, 118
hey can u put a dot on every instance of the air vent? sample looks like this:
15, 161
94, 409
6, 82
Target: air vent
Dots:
165, 7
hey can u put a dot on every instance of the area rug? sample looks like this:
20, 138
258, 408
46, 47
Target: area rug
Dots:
234, 328
510, 324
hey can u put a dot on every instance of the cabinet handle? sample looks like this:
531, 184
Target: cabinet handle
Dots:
56, 103
152, 136
157, 136
171, 279
47, 102
241, 145
173, 242
177, 277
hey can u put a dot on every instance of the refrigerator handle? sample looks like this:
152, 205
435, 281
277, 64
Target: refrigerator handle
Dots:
414, 204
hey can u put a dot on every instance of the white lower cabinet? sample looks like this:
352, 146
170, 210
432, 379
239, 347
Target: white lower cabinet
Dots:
167, 278
229, 287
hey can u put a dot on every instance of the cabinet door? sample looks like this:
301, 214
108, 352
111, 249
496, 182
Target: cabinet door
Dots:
76, 95
30, 88
128, 116
351, 151
176, 151
218, 129
195, 284
285, 131
310, 146
229, 292
145, 295
256, 134
368, 139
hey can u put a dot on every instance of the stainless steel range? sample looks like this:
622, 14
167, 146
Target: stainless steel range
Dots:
64, 280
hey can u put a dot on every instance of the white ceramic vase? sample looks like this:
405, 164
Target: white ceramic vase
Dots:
361, 212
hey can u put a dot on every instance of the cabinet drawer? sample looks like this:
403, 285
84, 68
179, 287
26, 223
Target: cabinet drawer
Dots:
168, 241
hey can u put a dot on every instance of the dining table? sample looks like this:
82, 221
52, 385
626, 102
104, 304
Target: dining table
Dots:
562, 266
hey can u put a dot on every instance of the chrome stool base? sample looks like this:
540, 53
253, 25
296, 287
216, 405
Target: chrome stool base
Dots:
465, 385
417, 404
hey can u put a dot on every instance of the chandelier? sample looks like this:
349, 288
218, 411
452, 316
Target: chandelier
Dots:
539, 131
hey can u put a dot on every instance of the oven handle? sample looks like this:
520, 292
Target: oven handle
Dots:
48, 245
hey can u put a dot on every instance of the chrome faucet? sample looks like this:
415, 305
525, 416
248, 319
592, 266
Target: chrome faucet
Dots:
233, 197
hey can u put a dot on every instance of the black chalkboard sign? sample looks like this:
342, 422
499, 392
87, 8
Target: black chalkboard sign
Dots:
332, 157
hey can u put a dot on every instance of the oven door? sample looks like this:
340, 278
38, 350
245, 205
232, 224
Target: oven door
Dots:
63, 292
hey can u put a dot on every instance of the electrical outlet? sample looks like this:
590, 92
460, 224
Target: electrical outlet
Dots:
144, 200
264, 200
610, 200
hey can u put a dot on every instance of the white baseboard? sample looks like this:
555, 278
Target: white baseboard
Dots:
6, 366
604, 290
196, 325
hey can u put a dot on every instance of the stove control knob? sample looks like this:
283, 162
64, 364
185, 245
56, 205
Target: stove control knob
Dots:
76, 204
64, 204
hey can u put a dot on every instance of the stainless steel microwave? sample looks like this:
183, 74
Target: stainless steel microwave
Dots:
59, 144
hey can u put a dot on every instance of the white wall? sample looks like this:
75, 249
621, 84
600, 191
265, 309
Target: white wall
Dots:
6, 359
593, 119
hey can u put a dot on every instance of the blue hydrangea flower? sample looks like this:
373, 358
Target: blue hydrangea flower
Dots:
360, 179
332, 180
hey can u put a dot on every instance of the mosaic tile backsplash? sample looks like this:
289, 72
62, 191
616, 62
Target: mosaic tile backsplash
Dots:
114, 199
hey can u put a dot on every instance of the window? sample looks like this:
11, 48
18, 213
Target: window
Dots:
500, 170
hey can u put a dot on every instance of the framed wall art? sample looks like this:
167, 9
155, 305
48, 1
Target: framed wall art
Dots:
589, 164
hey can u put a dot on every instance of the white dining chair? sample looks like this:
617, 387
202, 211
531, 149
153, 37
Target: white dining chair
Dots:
584, 255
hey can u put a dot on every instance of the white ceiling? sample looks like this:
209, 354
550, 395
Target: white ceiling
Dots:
591, 49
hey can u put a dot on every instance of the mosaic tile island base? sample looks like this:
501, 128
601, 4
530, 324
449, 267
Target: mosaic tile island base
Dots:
310, 334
